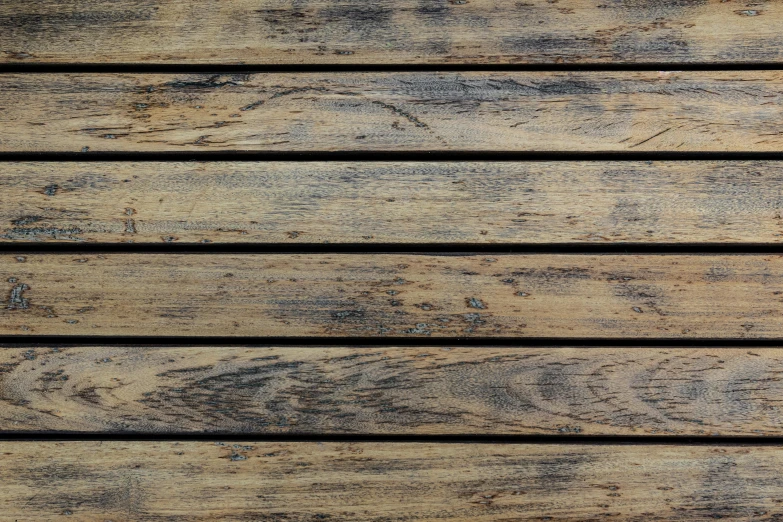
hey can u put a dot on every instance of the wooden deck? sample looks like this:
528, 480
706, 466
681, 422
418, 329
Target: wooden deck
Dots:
428, 260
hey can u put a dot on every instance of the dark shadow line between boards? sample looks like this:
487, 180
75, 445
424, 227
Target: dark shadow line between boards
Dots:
380, 156
72, 247
256, 68
64, 341
508, 439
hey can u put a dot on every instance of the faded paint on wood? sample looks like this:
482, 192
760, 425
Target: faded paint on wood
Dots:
393, 202
417, 111
402, 32
394, 295
146, 481
378, 390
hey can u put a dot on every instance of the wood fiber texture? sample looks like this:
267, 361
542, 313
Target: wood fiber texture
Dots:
198, 481
394, 295
393, 202
388, 390
623, 111
317, 371
401, 32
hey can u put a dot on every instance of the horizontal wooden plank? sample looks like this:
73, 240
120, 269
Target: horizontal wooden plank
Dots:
394, 202
414, 391
400, 295
99, 481
414, 111
403, 32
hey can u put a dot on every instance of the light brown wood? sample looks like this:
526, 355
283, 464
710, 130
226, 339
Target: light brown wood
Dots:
350, 390
415, 111
379, 390
402, 32
393, 202
146, 481
394, 295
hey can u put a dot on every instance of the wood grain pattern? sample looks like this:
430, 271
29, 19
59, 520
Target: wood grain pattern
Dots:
420, 111
196, 481
359, 390
402, 32
422, 391
394, 202
400, 295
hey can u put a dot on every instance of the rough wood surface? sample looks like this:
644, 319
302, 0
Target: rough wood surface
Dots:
197, 481
396, 202
394, 295
424, 391
416, 111
402, 32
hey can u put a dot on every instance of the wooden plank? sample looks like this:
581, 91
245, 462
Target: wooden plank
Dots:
98, 481
414, 111
394, 202
403, 32
414, 391
393, 295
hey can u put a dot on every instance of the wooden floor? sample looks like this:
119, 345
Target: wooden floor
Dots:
428, 260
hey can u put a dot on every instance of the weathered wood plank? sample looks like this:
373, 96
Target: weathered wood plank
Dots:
98, 481
395, 202
424, 391
420, 111
403, 32
399, 295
